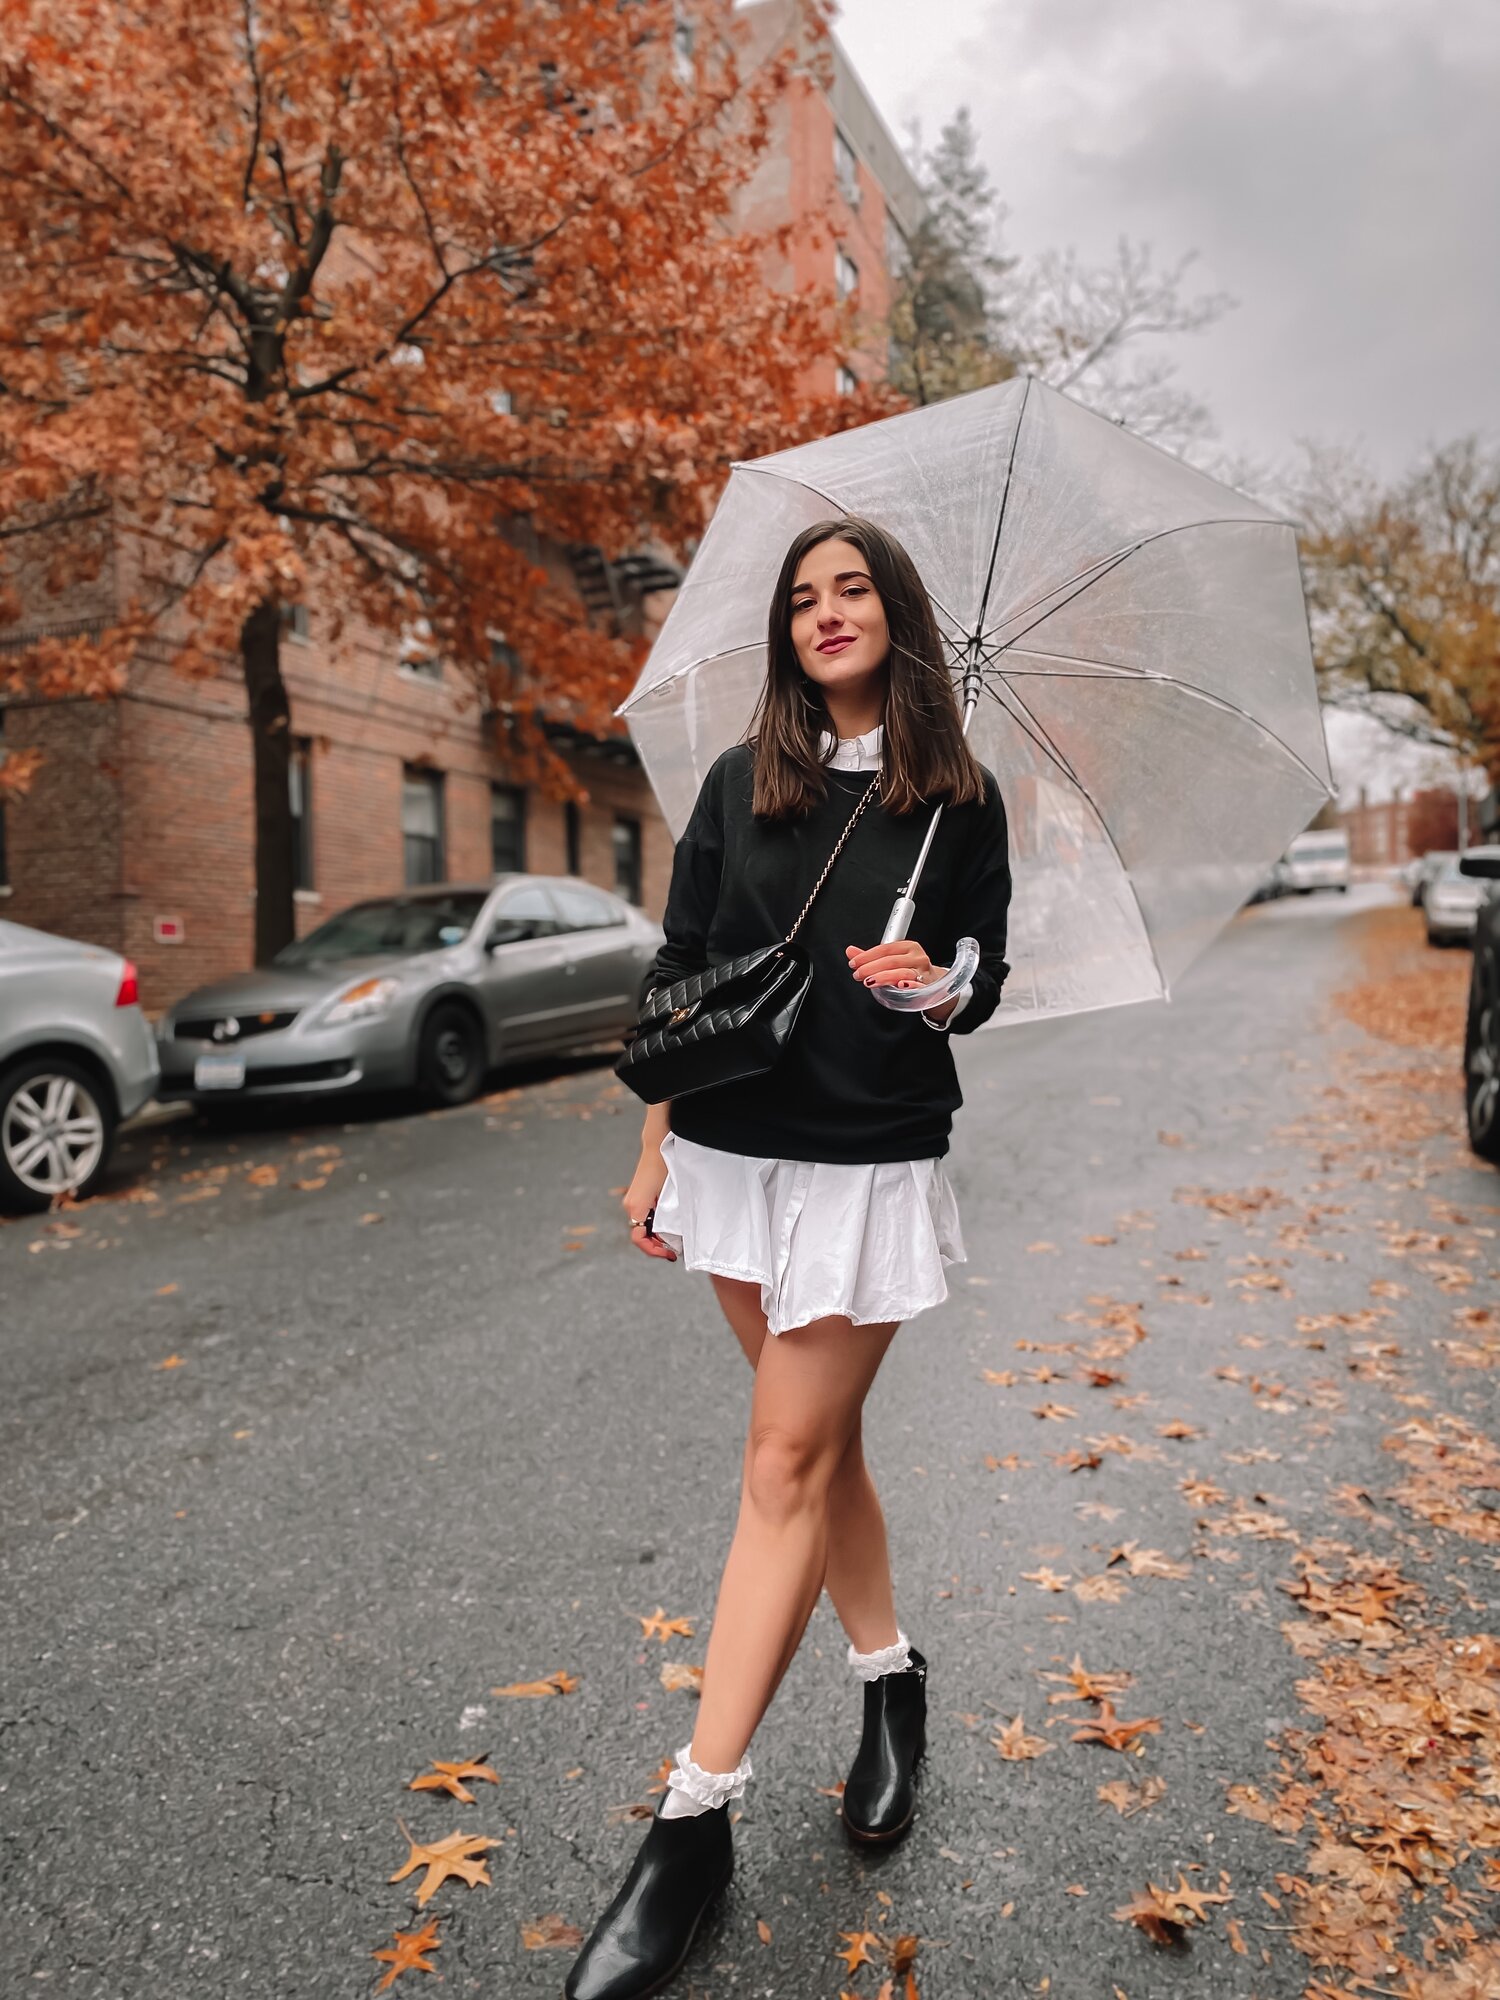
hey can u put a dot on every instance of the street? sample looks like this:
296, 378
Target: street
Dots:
318, 1434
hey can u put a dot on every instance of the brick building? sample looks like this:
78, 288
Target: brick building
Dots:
1384, 833
137, 830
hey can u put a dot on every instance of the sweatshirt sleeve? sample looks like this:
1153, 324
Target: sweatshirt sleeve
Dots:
981, 907
693, 894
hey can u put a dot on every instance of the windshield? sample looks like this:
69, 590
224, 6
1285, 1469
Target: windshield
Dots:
1321, 850
400, 925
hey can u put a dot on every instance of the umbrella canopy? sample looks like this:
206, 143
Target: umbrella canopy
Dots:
1139, 668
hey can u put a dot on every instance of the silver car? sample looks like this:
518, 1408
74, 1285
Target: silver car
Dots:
1453, 900
429, 988
76, 1056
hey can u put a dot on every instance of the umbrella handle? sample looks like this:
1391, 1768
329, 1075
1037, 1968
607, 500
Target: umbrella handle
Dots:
911, 999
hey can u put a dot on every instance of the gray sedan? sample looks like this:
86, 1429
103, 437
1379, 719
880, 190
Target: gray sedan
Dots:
76, 1057
430, 988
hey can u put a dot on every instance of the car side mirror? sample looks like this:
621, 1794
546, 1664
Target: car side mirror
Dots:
1487, 866
510, 930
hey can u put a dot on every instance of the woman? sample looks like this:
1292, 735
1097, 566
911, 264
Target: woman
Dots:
815, 1194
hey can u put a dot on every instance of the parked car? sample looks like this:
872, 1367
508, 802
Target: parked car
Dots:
76, 1057
1427, 870
1482, 1031
1318, 859
1452, 901
428, 989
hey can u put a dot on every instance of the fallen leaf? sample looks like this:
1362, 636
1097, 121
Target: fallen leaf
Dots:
172, 1361
1053, 1412
551, 1933
1082, 1685
1016, 1747
266, 1176
449, 1777
678, 1677
1101, 1589
407, 1954
857, 1950
1045, 1579
457, 1855
1148, 1562
556, 1683
1112, 1731
1128, 1799
165, 1291
660, 1626
763, 1930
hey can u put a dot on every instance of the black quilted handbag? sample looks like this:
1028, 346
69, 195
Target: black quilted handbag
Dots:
730, 1021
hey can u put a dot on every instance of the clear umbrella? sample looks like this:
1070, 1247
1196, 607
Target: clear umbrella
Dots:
1131, 648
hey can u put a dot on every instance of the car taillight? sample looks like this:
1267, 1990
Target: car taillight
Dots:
129, 994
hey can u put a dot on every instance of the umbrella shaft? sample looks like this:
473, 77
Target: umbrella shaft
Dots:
898, 923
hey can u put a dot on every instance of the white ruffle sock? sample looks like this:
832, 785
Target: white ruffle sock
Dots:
886, 1660
692, 1790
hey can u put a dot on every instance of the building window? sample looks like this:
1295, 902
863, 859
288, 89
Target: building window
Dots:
627, 839
299, 779
846, 168
417, 652
846, 380
296, 621
422, 826
845, 274
572, 836
507, 829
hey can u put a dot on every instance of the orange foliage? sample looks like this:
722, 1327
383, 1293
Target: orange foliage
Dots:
314, 299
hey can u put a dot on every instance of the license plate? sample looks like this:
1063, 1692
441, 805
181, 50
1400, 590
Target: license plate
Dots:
219, 1073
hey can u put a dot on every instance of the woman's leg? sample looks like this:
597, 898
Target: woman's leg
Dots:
810, 1385
858, 1576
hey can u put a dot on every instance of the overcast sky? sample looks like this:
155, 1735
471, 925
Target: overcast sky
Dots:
1335, 164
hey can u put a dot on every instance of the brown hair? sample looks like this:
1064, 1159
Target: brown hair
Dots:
925, 754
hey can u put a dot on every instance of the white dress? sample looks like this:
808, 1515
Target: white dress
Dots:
869, 1242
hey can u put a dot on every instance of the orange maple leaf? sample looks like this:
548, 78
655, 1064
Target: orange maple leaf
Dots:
660, 1626
457, 1855
1113, 1732
407, 1954
857, 1951
558, 1683
1015, 1746
448, 1777
551, 1933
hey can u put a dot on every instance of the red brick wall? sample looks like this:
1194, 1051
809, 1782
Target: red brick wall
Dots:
143, 807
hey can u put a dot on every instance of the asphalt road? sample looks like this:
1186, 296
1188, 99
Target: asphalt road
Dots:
314, 1436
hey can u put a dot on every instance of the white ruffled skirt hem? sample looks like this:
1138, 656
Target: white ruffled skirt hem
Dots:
869, 1243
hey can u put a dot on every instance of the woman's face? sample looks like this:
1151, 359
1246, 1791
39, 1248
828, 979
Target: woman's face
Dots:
838, 621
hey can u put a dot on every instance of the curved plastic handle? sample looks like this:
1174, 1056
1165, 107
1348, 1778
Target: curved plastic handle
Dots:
912, 999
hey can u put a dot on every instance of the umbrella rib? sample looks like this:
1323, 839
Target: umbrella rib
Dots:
1106, 565
1062, 763
747, 465
639, 694
1010, 468
1118, 671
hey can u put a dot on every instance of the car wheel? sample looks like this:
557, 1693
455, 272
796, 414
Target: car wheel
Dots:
56, 1126
450, 1056
1482, 1060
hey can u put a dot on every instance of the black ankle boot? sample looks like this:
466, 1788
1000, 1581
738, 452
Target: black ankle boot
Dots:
880, 1793
644, 1937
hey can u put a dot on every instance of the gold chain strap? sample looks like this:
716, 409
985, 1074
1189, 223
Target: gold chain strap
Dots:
853, 817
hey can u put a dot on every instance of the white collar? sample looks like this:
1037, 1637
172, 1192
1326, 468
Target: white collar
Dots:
852, 753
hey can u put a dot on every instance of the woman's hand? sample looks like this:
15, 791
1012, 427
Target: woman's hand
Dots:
640, 1204
902, 962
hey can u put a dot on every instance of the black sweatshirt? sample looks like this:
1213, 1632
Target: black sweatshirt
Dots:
857, 1082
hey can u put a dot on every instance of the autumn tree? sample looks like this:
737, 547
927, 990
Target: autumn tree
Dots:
945, 314
362, 302
965, 314
1404, 590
